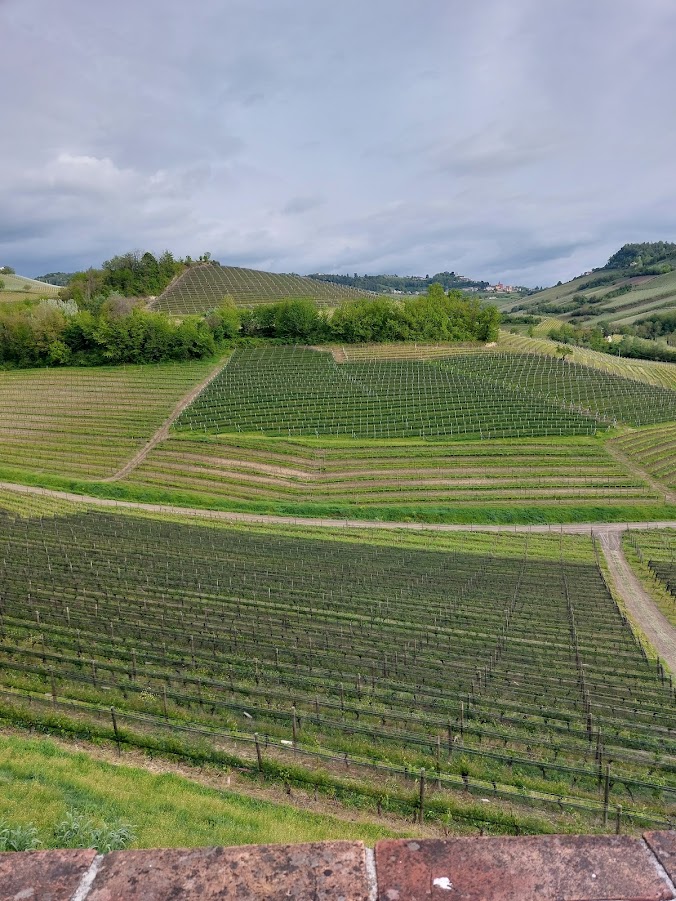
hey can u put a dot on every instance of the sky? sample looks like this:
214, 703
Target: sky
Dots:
515, 140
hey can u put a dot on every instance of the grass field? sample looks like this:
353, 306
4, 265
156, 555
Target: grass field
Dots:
23, 287
86, 422
42, 782
500, 664
201, 288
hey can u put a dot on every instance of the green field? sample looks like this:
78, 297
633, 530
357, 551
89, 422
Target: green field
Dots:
19, 288
498, 663
654, 449
647, 294
201, 288
653, 556
42, 783
291, 391
86, 422
404, 474
303, 432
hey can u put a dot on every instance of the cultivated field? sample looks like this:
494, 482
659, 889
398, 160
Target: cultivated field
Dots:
26, 287
394, 474
498, 663
201, 288
653, 555
654, 449
296, 391
86, 422
648, 294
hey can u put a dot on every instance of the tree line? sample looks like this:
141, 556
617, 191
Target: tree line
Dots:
106, 330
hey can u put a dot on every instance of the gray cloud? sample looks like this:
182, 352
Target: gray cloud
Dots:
515, 140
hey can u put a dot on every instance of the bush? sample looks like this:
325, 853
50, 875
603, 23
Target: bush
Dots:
76, 831
18, 838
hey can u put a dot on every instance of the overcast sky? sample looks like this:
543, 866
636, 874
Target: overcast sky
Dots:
521, 140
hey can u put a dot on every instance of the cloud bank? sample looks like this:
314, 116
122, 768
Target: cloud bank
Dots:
522, 141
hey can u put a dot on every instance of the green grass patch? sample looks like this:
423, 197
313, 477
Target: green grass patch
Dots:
41, 782
469, 514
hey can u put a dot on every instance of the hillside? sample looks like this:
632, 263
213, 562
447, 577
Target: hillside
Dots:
623, 291
203, 287
16, 287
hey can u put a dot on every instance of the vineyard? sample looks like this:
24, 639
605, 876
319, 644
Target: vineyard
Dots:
653, 556
246, 469
480, 680
201, 288
654, 450
86, 422
298, 391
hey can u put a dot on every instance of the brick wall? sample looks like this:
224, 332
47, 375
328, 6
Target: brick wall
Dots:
529, 868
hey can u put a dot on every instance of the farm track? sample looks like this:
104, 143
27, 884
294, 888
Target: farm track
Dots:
583, 528
163, 432
639, 604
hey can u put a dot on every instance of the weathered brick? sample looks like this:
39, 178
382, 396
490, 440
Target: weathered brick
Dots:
42, 875
663, 845
529, 868
325, 871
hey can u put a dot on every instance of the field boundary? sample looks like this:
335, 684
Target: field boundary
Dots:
163, 432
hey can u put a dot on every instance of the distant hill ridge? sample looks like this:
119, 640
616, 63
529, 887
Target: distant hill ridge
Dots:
639, 280
202, 287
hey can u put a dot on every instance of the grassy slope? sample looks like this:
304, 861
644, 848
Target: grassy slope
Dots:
649, 294
18, 283
41, 781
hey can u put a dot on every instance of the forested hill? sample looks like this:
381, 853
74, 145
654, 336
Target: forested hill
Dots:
407, 284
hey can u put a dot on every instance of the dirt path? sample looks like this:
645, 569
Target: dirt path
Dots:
163, 432
584, 528
638, 602
625, 461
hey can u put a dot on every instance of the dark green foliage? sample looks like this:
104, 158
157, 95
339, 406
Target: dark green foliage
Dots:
407, 284
640, 256
55, 278
47, 336
435, 316
659, 325
130, 274
293, 321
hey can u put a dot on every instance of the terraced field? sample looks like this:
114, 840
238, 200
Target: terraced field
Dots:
499, 664
396, 473
648, 294
298, 391
201, 288
86, 422
653, 449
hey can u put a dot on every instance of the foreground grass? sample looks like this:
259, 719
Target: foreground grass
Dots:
41, 782
467, 514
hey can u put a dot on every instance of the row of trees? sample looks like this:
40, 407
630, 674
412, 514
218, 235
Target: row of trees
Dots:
132, 274
435, 316
114, 329
630, 345
56, 333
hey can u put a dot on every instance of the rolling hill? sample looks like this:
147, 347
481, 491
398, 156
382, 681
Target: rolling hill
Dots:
628, 288
19, 287
203, 287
